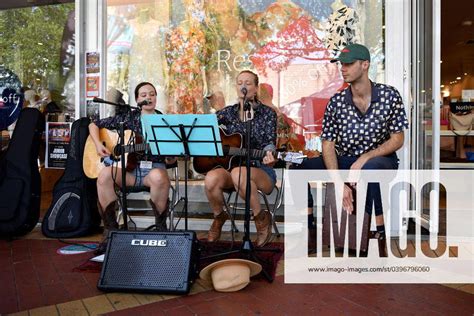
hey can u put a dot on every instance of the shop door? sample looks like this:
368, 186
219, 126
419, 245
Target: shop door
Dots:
425, 123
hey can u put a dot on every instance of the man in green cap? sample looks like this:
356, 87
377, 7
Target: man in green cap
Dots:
363, 128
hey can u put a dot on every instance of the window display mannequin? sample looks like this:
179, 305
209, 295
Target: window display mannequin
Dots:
119, 43
336, 5
47, 104
30, 98
342, 28
147, 62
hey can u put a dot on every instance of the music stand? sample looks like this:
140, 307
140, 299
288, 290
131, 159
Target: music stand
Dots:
183, 135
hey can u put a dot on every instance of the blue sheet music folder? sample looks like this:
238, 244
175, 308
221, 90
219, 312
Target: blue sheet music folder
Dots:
163, 134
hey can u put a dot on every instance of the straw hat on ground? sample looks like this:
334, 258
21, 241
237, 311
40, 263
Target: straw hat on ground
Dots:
230, 275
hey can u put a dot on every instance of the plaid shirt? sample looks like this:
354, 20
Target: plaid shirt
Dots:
355, 133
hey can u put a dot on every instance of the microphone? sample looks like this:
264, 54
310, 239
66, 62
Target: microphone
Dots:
244, 91
247, 105
99, 100
142, 103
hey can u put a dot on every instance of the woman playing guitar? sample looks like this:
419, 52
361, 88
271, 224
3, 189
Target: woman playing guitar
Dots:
150, 170
263, 176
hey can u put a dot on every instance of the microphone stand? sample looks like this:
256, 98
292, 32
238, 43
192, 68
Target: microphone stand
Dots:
123, 188
247, 249
246, 242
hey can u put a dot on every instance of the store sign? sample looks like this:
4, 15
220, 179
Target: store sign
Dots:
11, 100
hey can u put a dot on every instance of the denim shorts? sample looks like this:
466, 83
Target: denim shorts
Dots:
141, 173
268, 170
271, 173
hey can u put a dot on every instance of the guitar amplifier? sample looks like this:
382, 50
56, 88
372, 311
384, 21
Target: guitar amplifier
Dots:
153, 262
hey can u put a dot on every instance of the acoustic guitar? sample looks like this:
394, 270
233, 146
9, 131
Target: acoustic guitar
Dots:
233, 148
93, 163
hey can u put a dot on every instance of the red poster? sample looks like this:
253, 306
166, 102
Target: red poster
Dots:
92, 86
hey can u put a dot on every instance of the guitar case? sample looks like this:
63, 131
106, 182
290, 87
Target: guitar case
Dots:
20, 181
73, 211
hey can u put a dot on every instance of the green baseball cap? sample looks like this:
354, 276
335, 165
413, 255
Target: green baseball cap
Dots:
351, 53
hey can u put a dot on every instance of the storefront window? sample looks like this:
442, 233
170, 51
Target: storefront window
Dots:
193, 50
37, 46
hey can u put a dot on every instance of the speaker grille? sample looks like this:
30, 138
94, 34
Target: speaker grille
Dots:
148, 261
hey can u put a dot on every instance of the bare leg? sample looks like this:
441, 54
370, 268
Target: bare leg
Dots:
215, 183
158, 182
105, 184
259, 180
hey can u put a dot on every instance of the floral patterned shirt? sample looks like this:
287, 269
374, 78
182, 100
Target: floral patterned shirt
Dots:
355, 133
132, 121
264, 125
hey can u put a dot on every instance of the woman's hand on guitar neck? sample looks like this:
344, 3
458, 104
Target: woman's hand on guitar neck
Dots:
269, 159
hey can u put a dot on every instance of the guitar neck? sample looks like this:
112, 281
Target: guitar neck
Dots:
136, 147
254, 153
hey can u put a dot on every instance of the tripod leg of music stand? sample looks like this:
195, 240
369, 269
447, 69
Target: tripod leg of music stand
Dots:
254, 258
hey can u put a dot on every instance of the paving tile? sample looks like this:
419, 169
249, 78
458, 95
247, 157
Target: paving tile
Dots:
468, 288
44, 277
80, 291
204, 284
168, 304
203, 296
122, 300
445, 299
144, 299
144, 310
7, 281
453, 285
44, 311
55, 294
5, 245
47, 276
182, 310
197, 288
9, 304
202, 307
73, 308
30, 298
24, 270
228, 306
23, 313
98, 305
254, 304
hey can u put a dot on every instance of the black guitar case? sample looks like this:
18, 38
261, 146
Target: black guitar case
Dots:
20, 181
73, 211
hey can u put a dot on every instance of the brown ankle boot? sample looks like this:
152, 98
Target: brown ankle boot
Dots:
160, 218
263, 223
214, 232
109, 218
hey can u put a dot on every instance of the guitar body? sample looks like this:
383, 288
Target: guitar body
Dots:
93, 163
232, 148
205, 164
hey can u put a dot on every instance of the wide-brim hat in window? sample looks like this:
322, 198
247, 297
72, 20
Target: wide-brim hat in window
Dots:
351, 53
230, 275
